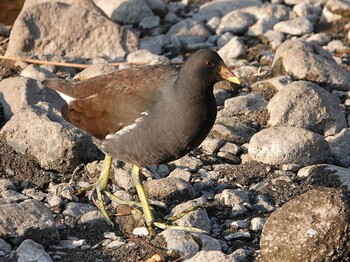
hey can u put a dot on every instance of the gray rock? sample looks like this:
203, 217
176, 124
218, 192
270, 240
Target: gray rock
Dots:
242, 254
149, 22
239, 133
262, 26
237, 235
147, 57
189, 163
335, 10
181, 242
13, 196
74, 39
92, 217
304, 104
72, 243
30, 91
257, 223
224, 39
311, 12
5, 247
231, 148
187, 32
211, 256
306, 61
327, 175
33, 193
222, 7
232, 197
181, 173
155, 44
159, 7
28, 219
340, 147
78, 209
275, 83
232, 50
29, 250
125, 11
319, 39
296, 26
6, 184
281, 12
275, 38
36, 72
235, 22
310, 227
140, 231
64, 147
264, 204
295, 2
213, 23
170, 188
196, 218
94, 70
243, 105
211, 146
288, 145
115, 244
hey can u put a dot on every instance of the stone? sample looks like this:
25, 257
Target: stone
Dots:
92, 217
29, 250
211, 146
94, 70
310, 227
149, 22
78, 209
72, 243
238, 133
305, 104
13, 196
33, 193
340, 148
232, 197
296, 26
74, 39
232, 50
243, 105
125, 11
222, 7
262, 26
306, 61
319, 39
235, 22
211, 256
327, 175
257, 223
288, 145
187, 162
6, 184
155, 44
335, 10
30, 91
147, 57
5, 247
196, 218
180, 243
188, 31
64, 147
275, 38
170, 189
275, 83
140, 231
36, 72
28, 219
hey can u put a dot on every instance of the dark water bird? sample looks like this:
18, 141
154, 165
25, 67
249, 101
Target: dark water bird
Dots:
146, 115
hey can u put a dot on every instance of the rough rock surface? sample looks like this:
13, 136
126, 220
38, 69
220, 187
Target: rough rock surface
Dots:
308, 228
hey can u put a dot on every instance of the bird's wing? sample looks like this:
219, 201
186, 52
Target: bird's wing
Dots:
132, 77
119, 102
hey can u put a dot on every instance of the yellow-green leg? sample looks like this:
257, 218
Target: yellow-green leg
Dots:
149, 218
136, 177
100, 187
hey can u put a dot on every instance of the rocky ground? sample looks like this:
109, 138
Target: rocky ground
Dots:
271, 181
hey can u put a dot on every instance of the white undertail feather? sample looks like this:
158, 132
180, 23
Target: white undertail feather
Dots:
65, 97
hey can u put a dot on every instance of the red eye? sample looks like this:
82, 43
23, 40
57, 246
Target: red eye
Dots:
208, 63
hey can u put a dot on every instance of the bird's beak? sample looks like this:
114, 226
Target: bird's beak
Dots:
226, 74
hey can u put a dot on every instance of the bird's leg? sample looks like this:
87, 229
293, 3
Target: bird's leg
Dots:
136, 177
150, 221
100, 187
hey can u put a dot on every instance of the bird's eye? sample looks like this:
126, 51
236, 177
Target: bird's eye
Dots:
208, 63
